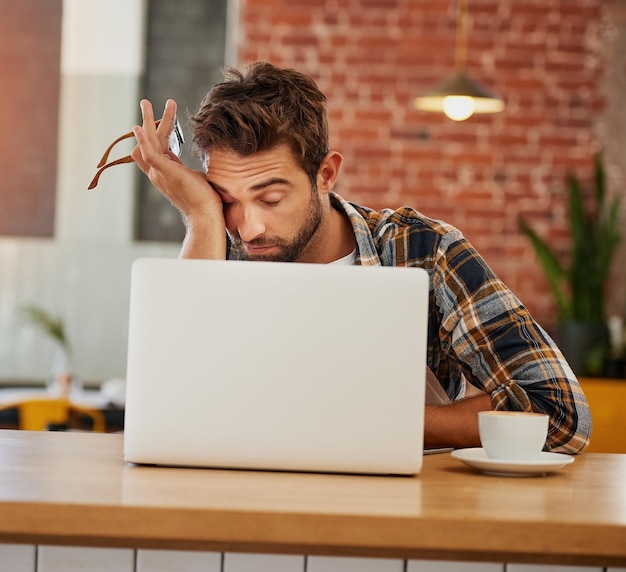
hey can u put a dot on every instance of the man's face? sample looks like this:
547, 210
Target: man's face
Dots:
272, 212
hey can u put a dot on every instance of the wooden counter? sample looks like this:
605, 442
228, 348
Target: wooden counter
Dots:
75, 489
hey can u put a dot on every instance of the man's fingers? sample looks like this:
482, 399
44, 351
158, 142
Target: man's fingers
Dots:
141, 149
138, 158
167, 124
147, 114
152, 154
160, 133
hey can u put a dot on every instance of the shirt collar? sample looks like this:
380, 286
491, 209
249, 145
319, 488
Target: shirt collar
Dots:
366, 254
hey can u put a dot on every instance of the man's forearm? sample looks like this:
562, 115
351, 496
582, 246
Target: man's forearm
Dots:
454, 424
206, 240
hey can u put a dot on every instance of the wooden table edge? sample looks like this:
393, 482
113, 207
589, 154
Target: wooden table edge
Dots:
309, 534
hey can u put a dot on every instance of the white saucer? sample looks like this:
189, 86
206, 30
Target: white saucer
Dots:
545, 463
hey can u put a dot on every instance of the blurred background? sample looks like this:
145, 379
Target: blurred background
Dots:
73, 72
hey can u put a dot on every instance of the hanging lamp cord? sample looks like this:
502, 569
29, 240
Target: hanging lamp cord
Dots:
462, 23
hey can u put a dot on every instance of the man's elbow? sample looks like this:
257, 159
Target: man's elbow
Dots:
574, 440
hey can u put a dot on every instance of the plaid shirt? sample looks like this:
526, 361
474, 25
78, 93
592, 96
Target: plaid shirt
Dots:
478, 330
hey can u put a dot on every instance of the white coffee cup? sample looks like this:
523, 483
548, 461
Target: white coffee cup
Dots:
512, 435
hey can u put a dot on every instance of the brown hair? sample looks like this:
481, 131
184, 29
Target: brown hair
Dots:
260, 108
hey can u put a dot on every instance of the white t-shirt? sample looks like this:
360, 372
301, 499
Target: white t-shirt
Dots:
349, 260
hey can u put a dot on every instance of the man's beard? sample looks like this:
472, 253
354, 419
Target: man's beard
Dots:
289, 251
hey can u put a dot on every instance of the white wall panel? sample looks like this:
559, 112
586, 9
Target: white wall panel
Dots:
239, 562
449, 566
350, 564
80, 559
550, 568
103, 37
17, 557
171, 560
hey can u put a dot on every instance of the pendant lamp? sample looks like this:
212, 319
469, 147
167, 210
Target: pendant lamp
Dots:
460, 96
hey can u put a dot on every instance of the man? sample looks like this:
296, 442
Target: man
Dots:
267, 194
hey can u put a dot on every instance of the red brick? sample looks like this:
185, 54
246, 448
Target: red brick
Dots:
373, 58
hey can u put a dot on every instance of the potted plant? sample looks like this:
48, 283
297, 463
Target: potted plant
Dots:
579, 284
61, 374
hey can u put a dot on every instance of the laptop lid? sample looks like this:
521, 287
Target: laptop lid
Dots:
279, 366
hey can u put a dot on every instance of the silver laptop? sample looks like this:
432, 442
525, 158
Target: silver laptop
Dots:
276, 366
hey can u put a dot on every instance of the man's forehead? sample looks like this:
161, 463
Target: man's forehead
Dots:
230, 173
226, 162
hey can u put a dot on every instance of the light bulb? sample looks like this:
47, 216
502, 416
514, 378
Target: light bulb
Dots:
458, 107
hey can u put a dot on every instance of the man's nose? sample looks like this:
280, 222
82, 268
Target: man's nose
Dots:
250, 226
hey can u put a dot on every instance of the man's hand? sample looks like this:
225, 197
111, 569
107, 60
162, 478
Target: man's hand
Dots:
187, 189
454, 424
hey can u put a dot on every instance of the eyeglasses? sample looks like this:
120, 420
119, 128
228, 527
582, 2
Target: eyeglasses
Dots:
175, 144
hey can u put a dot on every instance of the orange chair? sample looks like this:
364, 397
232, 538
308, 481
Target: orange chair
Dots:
36, 414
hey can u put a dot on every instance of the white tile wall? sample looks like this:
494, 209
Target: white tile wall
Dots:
28, 558
239, 562
349, 564
550, 568
449, 566
172, 560
17, 557
82, 559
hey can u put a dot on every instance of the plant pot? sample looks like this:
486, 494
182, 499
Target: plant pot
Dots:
62, 381
614, 367
584, 346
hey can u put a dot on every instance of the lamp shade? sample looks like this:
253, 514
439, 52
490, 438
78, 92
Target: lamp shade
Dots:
459, 97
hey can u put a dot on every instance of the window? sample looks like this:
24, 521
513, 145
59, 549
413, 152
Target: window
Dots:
185, 56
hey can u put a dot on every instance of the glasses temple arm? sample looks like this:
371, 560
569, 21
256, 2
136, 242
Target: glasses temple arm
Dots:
120, 138
121, 161
110, 147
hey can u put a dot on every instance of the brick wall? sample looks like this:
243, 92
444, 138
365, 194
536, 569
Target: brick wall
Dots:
30, 52
548, 58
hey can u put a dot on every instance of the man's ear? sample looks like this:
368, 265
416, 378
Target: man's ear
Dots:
328, 172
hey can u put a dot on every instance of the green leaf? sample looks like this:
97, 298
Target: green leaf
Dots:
554, 270
579, 287
50, 325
